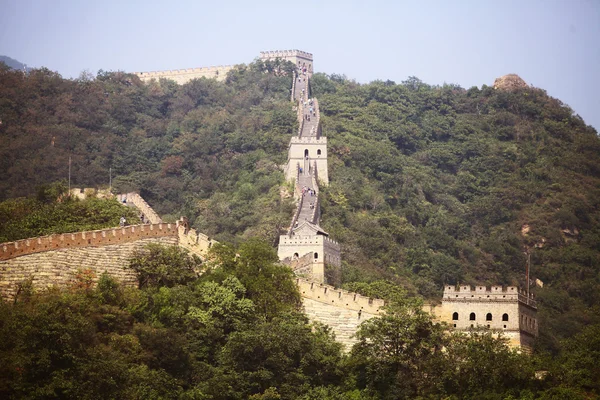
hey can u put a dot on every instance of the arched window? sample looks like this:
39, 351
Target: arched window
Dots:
472, 317
295, 255
455, 316
488, 317
504, 317
319, 152
306, 153
316, 255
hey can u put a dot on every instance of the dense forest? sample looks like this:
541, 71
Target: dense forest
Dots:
54, 210
429, 184
236, 332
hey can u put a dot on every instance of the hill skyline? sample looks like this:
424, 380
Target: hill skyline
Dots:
11, 62
470, 44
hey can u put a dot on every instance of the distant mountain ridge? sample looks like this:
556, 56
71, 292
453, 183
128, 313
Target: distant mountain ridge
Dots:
12, 63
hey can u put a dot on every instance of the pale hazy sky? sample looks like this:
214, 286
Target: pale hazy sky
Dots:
554, 45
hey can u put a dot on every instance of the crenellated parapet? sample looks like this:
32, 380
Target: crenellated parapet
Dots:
294, 76
269, 55
483, 293
138, 202
301, 59
501, 309
195, 242
101, 237
308, 140
318, 111
338, 297
303, 240
182, 76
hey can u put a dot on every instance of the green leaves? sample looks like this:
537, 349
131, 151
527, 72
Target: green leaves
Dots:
52, 212
158, 265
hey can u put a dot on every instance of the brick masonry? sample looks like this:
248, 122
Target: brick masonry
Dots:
59, 267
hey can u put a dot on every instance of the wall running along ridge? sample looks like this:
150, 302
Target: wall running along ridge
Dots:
306, 247
182, 76
138, 202
341, 310
55, 260
101, 237
59, 267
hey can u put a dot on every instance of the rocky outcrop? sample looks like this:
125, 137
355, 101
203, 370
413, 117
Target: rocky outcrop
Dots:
510, 82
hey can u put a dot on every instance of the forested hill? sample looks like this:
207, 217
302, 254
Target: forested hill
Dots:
12, 63
429, 184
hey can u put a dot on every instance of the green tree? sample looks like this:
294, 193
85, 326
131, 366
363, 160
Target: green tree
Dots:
159, 265
398, 355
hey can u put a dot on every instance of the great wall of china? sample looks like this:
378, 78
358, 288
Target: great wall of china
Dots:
305, 246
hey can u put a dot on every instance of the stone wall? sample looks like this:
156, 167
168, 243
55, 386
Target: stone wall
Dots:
101, 237
507, 310
323, 250
298, 57
182, 76
59, 267
317, 152
341, 310
195, 242
137, 201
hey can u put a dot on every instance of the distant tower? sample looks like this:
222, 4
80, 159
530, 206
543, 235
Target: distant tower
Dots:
301, 59
313, 149
507, 310
306, 247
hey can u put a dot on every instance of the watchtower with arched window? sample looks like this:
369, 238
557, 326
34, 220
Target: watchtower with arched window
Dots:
308, 153
500, 309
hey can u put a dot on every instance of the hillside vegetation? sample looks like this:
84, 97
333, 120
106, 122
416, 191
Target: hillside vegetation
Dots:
52, 210
236, 332
429, 184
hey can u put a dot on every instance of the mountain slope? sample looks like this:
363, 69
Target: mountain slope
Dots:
12, 63
429, 184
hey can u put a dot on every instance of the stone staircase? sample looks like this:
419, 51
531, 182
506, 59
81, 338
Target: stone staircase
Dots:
306, 246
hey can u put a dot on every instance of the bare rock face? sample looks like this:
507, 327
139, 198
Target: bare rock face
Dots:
510, 82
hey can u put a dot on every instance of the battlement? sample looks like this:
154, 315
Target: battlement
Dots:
317, 110
195, 242
483, 293
101, 237
306, 240
308, 140
298, 209
267, 55
338, 297
182, 76
184, 71
137, 200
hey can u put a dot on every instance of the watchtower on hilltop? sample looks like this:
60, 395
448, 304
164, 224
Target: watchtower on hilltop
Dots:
507, 310
306, 247
300, 58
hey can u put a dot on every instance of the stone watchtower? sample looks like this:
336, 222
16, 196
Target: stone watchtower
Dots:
301, 59
306, 247
307, 153
505, 310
